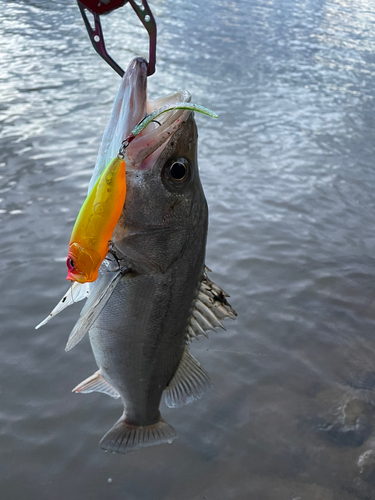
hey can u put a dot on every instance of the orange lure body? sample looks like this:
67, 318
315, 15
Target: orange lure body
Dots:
92, 231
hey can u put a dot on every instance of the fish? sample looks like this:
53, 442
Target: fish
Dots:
97, 218
148, 305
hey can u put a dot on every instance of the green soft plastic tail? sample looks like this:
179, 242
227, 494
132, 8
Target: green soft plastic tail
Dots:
171, 107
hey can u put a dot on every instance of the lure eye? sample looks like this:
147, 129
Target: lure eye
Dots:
70, 263
178, 171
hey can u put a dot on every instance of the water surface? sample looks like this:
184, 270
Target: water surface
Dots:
289, 176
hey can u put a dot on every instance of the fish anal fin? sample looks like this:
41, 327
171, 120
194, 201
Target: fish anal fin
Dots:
189, 383
96, 383
124, 437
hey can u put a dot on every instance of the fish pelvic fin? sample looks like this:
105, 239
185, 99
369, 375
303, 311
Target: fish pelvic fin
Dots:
124, 437
96, 383
209, 309
189, 382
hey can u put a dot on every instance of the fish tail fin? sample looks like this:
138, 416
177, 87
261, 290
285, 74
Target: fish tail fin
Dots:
124, 437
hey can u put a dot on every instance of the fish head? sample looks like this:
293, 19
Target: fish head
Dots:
82, 263
164, 189
165, 210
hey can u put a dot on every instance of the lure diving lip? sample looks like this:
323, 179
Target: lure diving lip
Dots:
92, 231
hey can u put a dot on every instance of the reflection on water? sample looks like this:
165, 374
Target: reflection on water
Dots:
288, 174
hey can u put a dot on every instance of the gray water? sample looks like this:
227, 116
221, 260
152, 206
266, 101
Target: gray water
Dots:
288, 172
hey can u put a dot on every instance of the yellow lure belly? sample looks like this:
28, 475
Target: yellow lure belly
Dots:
92, 231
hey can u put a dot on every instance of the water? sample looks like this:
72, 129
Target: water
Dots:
288, 172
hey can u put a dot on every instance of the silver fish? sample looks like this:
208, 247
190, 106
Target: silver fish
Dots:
148, 304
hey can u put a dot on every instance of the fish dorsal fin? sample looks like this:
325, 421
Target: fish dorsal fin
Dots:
76, 292
96, 383
189, 382
210, 308
97, 300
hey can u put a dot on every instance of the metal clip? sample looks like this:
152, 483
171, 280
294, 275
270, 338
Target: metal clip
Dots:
125, 143
144, 13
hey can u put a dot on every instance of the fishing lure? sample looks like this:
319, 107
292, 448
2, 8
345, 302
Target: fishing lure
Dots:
92, 231
151, 117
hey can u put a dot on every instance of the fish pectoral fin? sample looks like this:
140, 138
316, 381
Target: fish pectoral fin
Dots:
97, 300
189, 382
96, 383
210, 308
124, 437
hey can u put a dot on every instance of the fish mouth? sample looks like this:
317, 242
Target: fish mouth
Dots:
130, 107
147, 146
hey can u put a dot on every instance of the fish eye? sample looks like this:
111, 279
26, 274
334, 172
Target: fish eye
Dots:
176, 173
70, 263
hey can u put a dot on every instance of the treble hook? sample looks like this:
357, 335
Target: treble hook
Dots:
97, 8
